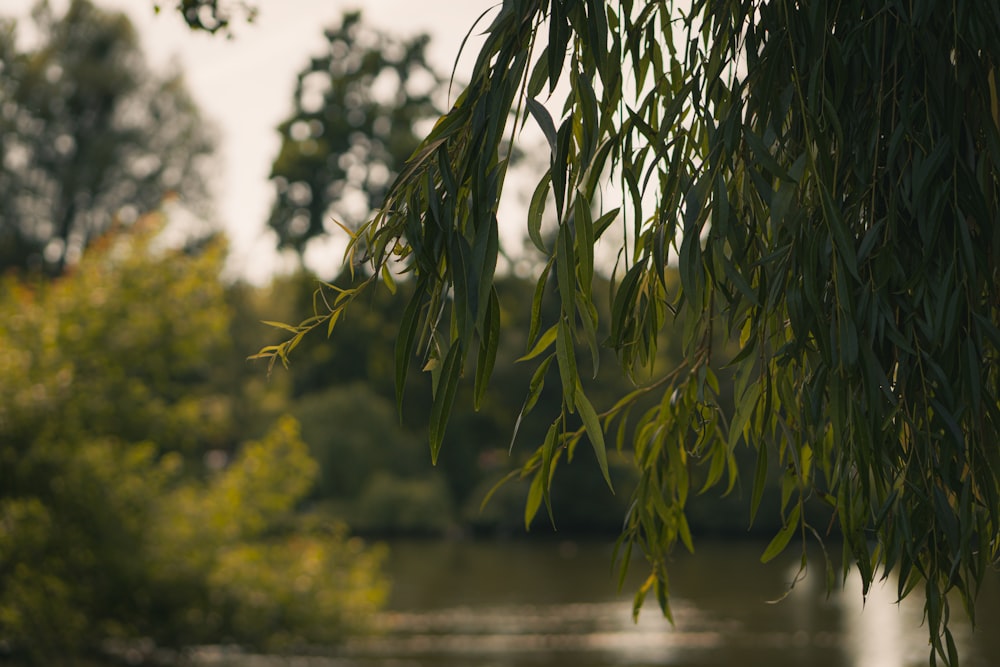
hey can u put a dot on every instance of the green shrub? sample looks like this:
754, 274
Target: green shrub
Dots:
390, 504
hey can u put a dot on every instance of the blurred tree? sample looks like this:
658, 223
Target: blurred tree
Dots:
354, 433
211, 15
405, 506
89, 137
234, 561
123, 345
125, 512
357, 108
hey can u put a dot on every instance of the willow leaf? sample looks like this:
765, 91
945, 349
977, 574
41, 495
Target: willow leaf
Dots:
594, 433
783, 536
444, 398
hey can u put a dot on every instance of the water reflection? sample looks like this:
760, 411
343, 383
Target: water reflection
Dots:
542, 605
524, 630
538, 605
881, 633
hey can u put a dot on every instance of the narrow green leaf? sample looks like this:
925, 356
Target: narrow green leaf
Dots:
583, 225
548, 449
543, 344
444, 398
566, 272
536, 209
597, 29
663, 597
603, 222
536, 302
537, 383
685, 532
594, 432
689, 258
534, 501
640, 596
838, 229
387, 279
871, 237
544, 120
461, 271
587, 108
265, 352
281, 325
332, 322
566, 360
742, 412
539, 74
560, 159
446, 172
588, 316
488, 345
534, 391
405, 341
952, 648
783, 536
559, 35
739, 281
762, 155
623, 304
592, 177
486, 251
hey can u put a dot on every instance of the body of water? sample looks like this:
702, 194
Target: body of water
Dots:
556, 604
549, 604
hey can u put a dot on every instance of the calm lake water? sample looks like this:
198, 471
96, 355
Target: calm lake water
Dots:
464, 604
551, 604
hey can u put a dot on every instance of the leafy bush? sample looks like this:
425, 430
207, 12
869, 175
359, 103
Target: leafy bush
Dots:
411, 506
111, 526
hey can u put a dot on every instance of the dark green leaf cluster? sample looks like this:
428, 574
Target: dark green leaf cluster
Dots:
824, 177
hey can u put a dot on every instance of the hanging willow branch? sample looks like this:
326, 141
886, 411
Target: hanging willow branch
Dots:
824, 177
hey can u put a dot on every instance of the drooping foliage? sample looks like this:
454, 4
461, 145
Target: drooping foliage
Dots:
89, 136
825, 176
356, 108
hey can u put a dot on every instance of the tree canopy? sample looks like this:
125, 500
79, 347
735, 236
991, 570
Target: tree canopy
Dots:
356, 109
89, 136
825, 177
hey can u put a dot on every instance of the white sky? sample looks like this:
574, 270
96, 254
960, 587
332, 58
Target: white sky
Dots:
244, 85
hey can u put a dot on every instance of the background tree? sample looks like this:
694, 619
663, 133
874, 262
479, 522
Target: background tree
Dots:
357, 108
826, 178
212, 15
133, 503
89, 136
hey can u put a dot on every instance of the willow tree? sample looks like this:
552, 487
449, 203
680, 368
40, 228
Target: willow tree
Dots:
824, 177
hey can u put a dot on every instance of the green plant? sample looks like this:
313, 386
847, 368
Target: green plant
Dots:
825, 177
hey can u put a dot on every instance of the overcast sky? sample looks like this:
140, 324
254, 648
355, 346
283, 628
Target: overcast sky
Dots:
244, 85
